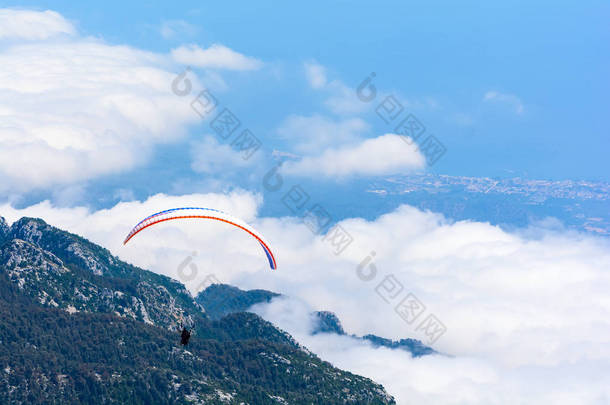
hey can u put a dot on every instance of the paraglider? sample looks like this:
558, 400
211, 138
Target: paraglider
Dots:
202, 213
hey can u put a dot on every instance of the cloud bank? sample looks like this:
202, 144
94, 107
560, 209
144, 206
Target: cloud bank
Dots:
76, 110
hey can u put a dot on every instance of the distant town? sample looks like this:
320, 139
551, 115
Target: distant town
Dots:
579, 204
537, 189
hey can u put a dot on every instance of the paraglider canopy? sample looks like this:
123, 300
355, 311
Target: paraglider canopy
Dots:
195, 213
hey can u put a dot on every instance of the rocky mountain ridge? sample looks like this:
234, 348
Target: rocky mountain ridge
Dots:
81, 276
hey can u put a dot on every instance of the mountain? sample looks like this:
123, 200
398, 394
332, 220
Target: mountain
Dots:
77, 325
328, 322
416, 347
63, 270
222, 299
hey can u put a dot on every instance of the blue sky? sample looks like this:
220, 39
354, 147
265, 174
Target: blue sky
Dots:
510, 88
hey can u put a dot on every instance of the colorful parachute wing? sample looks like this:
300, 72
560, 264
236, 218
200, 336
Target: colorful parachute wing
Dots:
201, 213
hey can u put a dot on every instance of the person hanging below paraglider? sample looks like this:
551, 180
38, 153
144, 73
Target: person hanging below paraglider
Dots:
185, 336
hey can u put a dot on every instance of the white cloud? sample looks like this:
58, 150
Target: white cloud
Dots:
386, 154
32, 25
124, 194
340, 99
526, 313
343, 100
527, 318
509, 99
316, 74
174, 28
215, 57
74, 109
213, 157
310, 134
440, 379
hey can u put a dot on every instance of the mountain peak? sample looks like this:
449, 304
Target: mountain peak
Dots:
328, 322
28, 221
64, 270
222, 299
69, 247
29, 229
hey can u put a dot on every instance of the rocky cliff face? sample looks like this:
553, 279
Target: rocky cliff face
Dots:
63, 270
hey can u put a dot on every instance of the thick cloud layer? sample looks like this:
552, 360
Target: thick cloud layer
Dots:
74, 108
80, 109
526, 313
